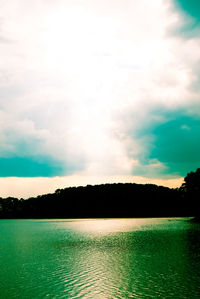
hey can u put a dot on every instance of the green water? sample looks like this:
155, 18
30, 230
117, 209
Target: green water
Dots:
143, 258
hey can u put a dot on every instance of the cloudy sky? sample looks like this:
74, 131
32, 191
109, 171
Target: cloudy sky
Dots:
98, 91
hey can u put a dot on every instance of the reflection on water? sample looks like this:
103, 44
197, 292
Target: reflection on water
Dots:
115, 258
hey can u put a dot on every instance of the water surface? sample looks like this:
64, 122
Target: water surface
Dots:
115, 258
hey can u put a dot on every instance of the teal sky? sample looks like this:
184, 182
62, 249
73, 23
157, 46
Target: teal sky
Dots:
99, 89
30, 167
190, 8
174, 141
191, 13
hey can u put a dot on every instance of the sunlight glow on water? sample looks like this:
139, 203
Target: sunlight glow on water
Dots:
114, 258
105, 226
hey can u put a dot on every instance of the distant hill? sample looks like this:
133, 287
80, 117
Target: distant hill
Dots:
108, 200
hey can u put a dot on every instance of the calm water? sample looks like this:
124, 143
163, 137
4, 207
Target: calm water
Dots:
144, 258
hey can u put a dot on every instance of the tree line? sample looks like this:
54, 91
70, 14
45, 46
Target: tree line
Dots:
109, 200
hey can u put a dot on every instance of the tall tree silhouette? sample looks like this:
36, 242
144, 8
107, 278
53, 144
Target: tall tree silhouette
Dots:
191, 183
191, 190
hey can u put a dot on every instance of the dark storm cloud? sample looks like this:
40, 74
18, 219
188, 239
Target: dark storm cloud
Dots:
174, 142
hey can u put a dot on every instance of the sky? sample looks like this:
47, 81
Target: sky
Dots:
98, 92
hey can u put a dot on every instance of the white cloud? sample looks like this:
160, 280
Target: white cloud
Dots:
78, 75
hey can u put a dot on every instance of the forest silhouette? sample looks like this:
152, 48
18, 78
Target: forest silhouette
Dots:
110, 201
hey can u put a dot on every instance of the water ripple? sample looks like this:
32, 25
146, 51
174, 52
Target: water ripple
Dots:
58, 260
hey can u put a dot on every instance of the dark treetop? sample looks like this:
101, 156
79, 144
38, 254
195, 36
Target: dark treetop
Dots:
109, 200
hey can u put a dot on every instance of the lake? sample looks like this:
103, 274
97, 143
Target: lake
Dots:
104, 258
